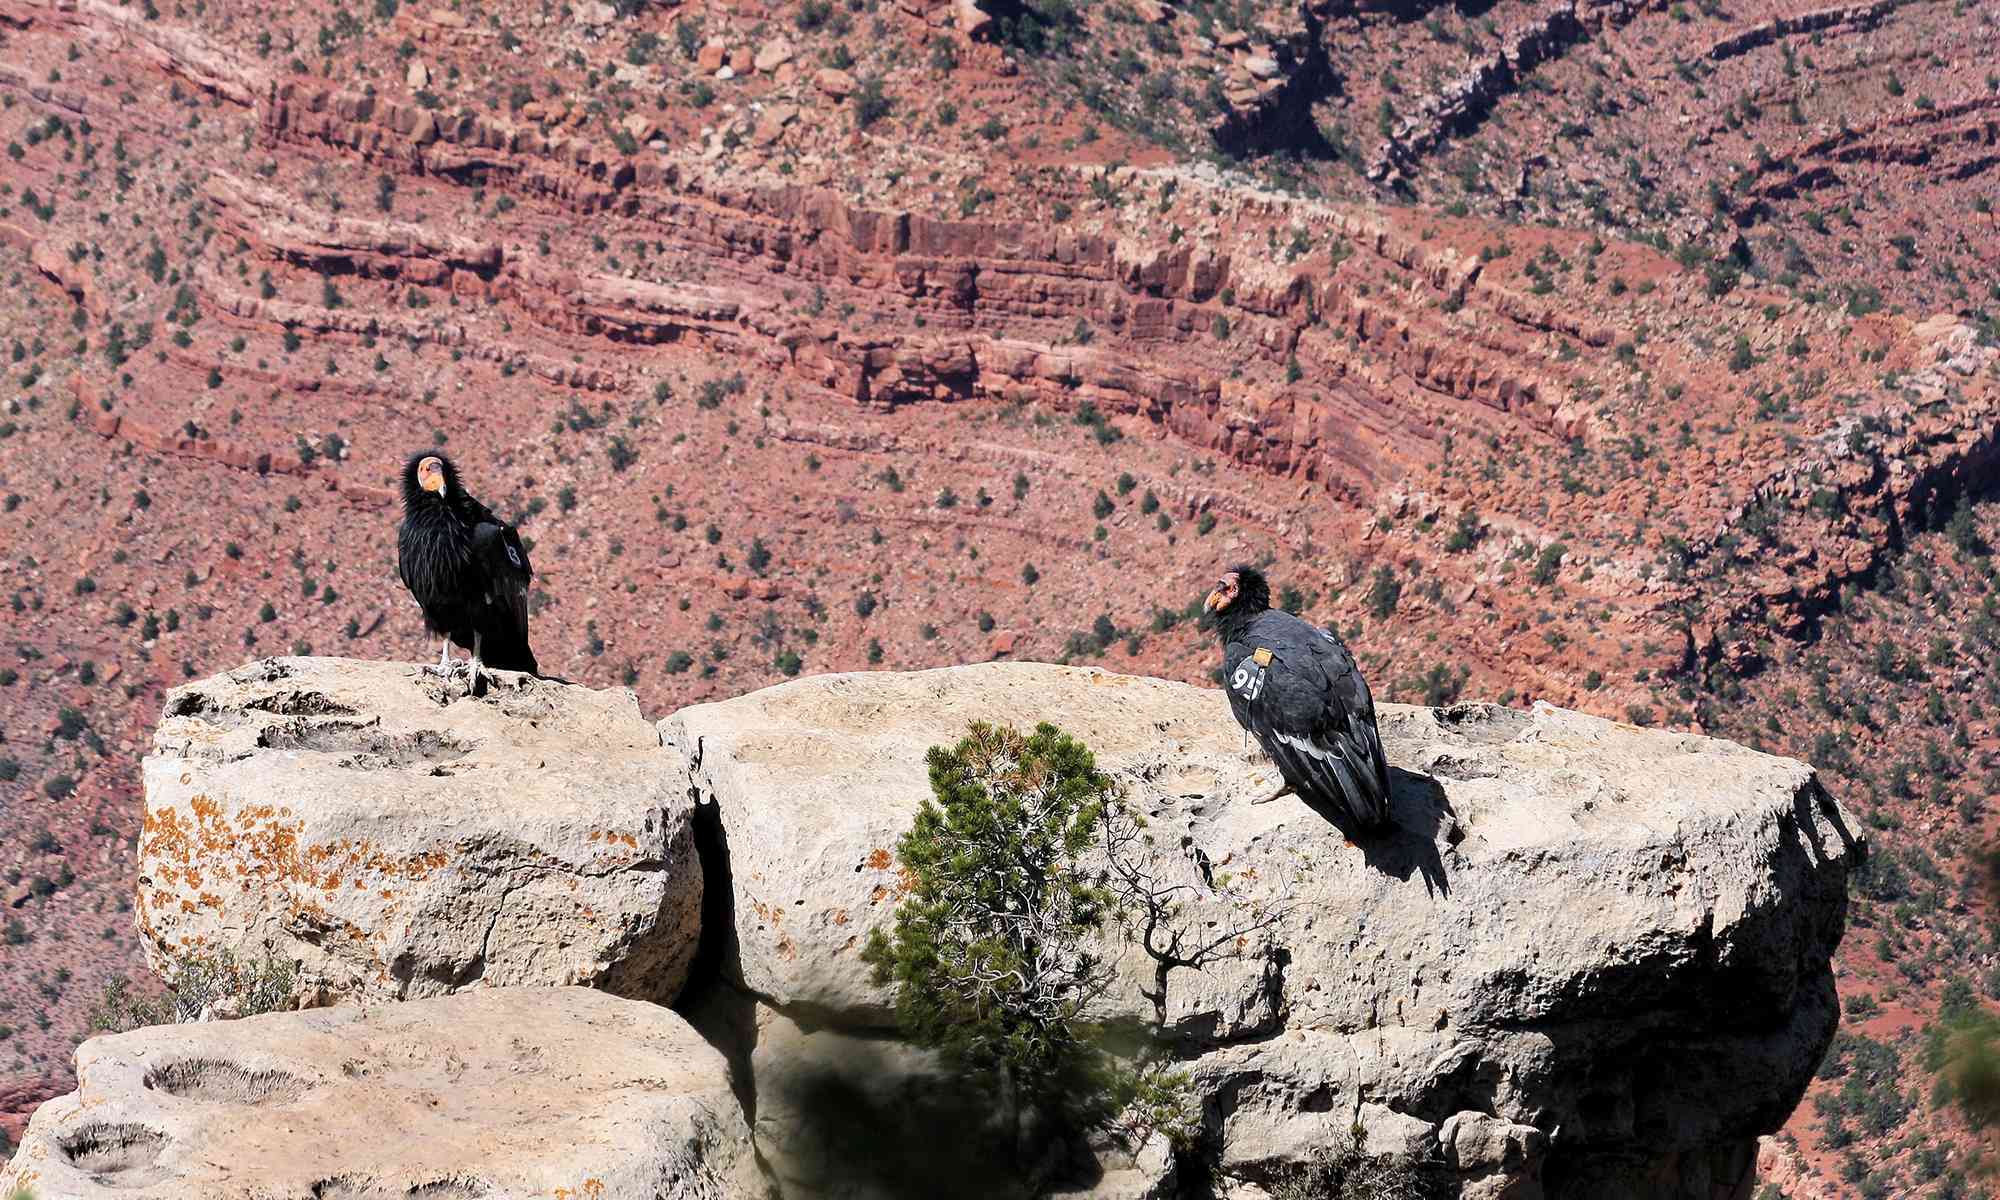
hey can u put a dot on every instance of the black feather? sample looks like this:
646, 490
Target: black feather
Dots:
467, 569
1308, 707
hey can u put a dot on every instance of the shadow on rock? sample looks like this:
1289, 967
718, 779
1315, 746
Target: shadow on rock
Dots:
860, 1119
1417, 808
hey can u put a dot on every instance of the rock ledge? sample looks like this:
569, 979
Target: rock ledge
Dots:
336, 814
497, 1093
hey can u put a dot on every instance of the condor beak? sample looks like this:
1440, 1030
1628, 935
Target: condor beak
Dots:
1215, 601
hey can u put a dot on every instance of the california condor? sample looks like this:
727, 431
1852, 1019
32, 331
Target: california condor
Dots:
1298, 690
467, 569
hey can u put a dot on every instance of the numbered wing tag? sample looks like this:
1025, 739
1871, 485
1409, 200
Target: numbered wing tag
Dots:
1248, 681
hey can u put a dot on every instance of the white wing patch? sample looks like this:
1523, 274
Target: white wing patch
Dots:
1303, 746
513, 556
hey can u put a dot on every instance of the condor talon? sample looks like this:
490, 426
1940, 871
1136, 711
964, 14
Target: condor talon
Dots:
1280, 794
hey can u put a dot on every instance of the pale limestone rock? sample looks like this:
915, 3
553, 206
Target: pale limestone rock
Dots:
1618, 937
772, 55
1502, 1160
1476, 1141
972, 20
499, 1093
771, 125
335, 814
417, 76
1588, 960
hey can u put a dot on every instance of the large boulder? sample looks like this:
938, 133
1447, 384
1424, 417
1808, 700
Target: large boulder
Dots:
499, 1093
393, 840
1586, 951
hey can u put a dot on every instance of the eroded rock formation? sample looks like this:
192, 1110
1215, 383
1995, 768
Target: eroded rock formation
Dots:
495, 1093
1589, 952
1591, 959
335, 814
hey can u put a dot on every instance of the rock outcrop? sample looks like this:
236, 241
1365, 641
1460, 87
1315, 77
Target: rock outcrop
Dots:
1590, 959
499, 1093
335, 814
1589, 953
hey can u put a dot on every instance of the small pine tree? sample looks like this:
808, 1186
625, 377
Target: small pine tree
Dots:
992, 952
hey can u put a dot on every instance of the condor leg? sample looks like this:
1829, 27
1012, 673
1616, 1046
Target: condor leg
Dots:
443, 667
472, 684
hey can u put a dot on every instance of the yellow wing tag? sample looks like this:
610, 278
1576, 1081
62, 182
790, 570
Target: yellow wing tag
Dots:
1261, 657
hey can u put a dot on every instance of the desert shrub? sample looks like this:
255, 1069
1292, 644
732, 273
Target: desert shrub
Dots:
996, 993
1041, 26
118, 1009
994, 953
1465, 533
1383, 593
1346, 1171
215, 984
870, 104
1101, 428
1441, 685
1548, 564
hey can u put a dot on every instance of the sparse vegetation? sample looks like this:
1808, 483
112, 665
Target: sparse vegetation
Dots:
1008, 1000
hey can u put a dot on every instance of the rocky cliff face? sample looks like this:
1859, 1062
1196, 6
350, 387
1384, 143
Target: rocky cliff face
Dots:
1590, 955
497, 1092
1590, 959
395, 849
